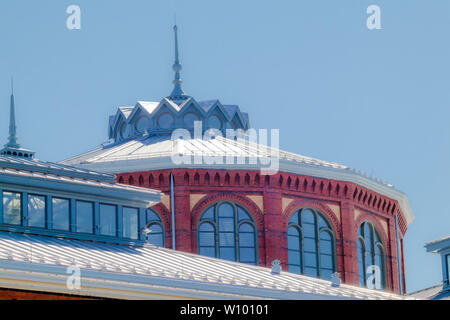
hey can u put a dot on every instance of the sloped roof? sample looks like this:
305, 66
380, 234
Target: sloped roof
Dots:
48, 175
119, 271
155, 153
38, 166
431, 293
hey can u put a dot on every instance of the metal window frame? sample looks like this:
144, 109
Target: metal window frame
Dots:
317, 231
374, 243
237, 225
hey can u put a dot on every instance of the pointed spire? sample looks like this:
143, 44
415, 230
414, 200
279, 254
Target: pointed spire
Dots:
177, 92
12, 139
12, 148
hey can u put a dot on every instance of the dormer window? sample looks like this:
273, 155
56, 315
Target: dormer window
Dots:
165, 121
189, 120
142, 124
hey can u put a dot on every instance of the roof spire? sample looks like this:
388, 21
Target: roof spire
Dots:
177, 92
12, 148
12, 121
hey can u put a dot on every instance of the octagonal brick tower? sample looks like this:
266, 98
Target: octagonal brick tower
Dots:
316, 217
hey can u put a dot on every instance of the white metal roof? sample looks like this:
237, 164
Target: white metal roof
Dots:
138, 272
155, 152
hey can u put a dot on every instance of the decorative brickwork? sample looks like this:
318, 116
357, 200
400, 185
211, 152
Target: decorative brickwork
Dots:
283, 190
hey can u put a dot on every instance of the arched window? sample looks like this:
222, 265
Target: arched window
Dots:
370, 253
227, 231
311, 244
154, 223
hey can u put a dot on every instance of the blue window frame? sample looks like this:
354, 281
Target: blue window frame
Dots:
36, 211
61, 214
108, 220
85, 217
130, 223
154, 223
12, 208
371, 252
311, 244
227, 231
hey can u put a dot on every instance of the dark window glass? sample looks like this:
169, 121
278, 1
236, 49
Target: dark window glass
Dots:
12, 210
310, 244
130, 223
108, 220
227, 231
85, 217
370, 253
36, 211
156, 235
60, 214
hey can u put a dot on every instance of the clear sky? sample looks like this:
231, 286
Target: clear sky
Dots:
376, 100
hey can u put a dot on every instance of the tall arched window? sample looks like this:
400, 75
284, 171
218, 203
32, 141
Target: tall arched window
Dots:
311, 244
154, 223
227, 231
370, 253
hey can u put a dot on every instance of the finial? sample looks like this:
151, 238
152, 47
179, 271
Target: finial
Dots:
12, 148
177, 91
12, 120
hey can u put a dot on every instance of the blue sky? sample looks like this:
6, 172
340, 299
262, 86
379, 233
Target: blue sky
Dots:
374, 100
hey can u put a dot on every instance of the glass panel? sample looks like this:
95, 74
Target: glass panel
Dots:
226, 224
206, 227
294, 257
130, 223
361, 269
326, 261
247, 255
309, 230
36, 211
326, 274
207, 239
152, 216
295, 269
85, 217
226, 210
60, 215
310, 259
12, 211
226, 239
227, 254
307, 216
311, 272
246, 239
243, 215
208, 251
156, 235
294, 218
379, 261
293, 239
309, 245
368, 236
293, 231
326, 243
246, 227
209, 214
322, 222
108, 220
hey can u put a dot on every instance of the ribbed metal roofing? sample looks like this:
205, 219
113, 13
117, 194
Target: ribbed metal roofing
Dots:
148, 265
10, 162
